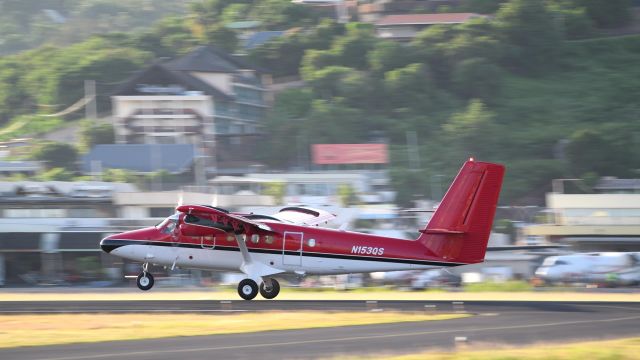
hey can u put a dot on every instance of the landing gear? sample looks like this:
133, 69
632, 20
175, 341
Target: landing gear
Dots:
270, 291
145, 279
247, 289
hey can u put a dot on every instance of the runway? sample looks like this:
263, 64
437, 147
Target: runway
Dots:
513, 323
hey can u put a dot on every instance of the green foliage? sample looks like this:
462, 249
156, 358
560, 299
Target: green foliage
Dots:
477, 78
221, 37
507, 286
119, 175
93, 134
481, 6
28, 125
56, 174
277, 190
533, 36
591, 151
472, 131
25, 25
347, 195
608, 13
389, 55
56, 155
574, 21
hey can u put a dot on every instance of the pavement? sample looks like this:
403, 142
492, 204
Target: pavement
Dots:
495, 322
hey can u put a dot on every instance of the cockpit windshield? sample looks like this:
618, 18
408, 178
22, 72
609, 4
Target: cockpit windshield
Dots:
168, 225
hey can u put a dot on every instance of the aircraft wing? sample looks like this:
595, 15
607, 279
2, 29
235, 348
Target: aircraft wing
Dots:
254, 269
240, 224
301, 215
524, 247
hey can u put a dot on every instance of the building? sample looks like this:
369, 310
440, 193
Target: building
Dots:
50, 231
140, 158
405, 27
372, 10
207, 98
607, 221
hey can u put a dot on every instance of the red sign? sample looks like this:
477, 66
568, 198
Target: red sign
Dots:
333, 154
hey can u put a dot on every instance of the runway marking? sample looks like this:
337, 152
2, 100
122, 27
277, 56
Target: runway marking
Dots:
353, 338
92, 311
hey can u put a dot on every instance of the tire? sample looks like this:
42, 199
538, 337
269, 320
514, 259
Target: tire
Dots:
145, 281
271, 293
247, 289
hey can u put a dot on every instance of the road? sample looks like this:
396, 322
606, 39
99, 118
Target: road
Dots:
514, 323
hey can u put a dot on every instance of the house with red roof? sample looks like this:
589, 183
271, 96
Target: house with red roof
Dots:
405, 27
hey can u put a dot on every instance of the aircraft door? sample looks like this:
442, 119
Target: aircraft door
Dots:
292, 248
208, 242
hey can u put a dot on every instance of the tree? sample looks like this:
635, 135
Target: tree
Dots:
326, 82
477, 78
352, 48
56, 155
472, 131
347, 195
608, 13
56, 174
532, 32
590, 151
221, 37
409, 86
277, 190
388, 55
481, 6
93, 134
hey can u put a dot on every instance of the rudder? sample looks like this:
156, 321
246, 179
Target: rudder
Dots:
459, 229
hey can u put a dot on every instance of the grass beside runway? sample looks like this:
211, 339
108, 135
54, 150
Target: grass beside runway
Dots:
623, 349
39, 330
133, 294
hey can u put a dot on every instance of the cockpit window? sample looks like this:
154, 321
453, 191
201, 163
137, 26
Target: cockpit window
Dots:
168, 225
203, 221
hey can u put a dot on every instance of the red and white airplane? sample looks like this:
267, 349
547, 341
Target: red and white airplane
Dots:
290, 242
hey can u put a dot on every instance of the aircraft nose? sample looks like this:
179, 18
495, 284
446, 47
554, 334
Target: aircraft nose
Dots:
109, 243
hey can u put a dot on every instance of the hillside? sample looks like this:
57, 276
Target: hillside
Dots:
548, 98
27, 24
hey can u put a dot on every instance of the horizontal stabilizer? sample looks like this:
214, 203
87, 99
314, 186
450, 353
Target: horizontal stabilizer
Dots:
440, 231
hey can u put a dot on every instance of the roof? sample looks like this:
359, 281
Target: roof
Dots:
427, 19
159, 73
609, 184
260, 38
209, 59
10, 166
241, 25
174, 158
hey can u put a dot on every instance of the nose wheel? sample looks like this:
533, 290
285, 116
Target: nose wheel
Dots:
145, 279
247, 289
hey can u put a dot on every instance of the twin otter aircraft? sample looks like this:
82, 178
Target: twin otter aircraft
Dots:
290, 242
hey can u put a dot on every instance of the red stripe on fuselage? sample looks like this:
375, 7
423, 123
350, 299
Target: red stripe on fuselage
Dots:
325, 242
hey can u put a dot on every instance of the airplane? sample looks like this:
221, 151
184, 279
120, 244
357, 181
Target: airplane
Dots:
291, 242
614, 268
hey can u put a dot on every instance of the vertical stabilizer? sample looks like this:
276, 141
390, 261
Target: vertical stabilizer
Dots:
459, 229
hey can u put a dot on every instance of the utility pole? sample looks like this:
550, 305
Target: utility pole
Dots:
90, 107
412, 150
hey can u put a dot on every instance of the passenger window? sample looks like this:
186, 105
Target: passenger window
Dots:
268, 239
230, 238
255, 238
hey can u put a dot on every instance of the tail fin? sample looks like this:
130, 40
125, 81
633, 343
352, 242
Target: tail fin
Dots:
459, 229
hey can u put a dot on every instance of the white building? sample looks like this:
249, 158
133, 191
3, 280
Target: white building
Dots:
207, 98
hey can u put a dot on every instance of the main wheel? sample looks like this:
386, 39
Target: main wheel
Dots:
272, 292
145, 281
247, 289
